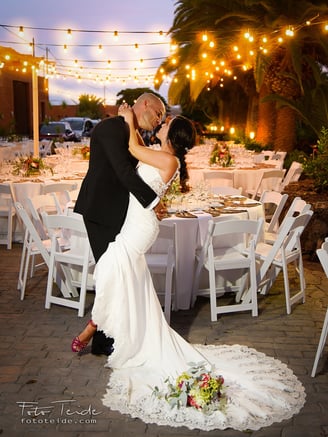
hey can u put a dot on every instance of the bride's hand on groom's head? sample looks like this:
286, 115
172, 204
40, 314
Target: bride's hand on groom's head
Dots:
126, 111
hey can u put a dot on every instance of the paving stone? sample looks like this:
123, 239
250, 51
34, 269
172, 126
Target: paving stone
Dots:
37, 365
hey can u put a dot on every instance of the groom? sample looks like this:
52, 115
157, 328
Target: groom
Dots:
104, 195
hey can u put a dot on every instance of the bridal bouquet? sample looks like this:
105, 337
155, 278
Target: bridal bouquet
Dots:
197, 388
31, 166
221, 156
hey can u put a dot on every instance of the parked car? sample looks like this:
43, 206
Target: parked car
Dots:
81, 126
60, 130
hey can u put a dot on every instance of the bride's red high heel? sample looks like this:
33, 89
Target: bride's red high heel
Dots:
78, 345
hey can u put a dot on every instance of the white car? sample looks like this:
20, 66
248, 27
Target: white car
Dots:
81, 126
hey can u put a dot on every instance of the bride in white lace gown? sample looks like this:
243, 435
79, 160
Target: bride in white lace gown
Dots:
259, 390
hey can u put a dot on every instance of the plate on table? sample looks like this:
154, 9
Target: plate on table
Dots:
213, 212
232, 210
250, 204
216, 205
185, 214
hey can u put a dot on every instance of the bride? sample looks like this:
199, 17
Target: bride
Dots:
258, 390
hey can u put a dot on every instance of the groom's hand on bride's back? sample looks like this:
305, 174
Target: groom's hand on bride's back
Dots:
160, 210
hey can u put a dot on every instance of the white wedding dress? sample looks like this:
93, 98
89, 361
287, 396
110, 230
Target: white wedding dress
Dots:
260, 390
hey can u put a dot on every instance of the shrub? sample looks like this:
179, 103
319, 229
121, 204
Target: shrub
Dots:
316, 167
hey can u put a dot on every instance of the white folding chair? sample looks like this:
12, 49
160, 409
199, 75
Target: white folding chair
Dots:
7, 211
222, 259
76, 262
161, 260
279, 156
270, 180
293, 174
58, 187
297, 207
219, 178
273, 203
62, 193
42, 203
33, 245
275, 258
36, 205
323, 258
275, 163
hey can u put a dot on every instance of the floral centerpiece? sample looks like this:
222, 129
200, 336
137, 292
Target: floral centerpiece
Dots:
30, 166
221, 155
84, 151
197, 388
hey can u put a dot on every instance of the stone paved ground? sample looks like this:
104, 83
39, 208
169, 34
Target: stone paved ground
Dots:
37, 365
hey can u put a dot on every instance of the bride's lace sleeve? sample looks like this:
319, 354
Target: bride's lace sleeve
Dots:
160, 187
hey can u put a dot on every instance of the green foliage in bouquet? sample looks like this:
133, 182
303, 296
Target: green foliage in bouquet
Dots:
30, 166
197, 387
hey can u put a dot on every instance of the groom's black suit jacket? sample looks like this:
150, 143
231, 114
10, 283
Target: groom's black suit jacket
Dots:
104, 195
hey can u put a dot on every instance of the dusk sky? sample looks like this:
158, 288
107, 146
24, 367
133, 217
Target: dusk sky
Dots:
94, 23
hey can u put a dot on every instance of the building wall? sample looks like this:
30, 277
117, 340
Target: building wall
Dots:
10, 79
56, 112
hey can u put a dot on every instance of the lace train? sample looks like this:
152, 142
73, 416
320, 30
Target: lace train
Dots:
260, 390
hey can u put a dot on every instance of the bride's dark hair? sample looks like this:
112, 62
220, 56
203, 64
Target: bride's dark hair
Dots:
182, 135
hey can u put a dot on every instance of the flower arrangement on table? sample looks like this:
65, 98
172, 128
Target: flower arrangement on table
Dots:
30, 166
84, 151
197, 388
221, 156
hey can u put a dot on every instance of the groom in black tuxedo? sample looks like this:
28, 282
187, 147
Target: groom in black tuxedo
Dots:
104, 195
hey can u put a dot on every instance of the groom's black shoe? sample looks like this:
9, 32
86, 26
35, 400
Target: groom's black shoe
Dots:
102, 345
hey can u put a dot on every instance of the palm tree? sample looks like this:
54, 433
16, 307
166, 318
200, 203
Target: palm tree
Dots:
284, 39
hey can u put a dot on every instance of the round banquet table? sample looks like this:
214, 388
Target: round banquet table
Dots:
191, 233
246, 178
27, 189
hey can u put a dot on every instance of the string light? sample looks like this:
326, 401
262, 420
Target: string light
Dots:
290, 32
240, 52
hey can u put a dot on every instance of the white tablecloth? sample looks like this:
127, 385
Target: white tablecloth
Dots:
246, 178
26, 189
190, 235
